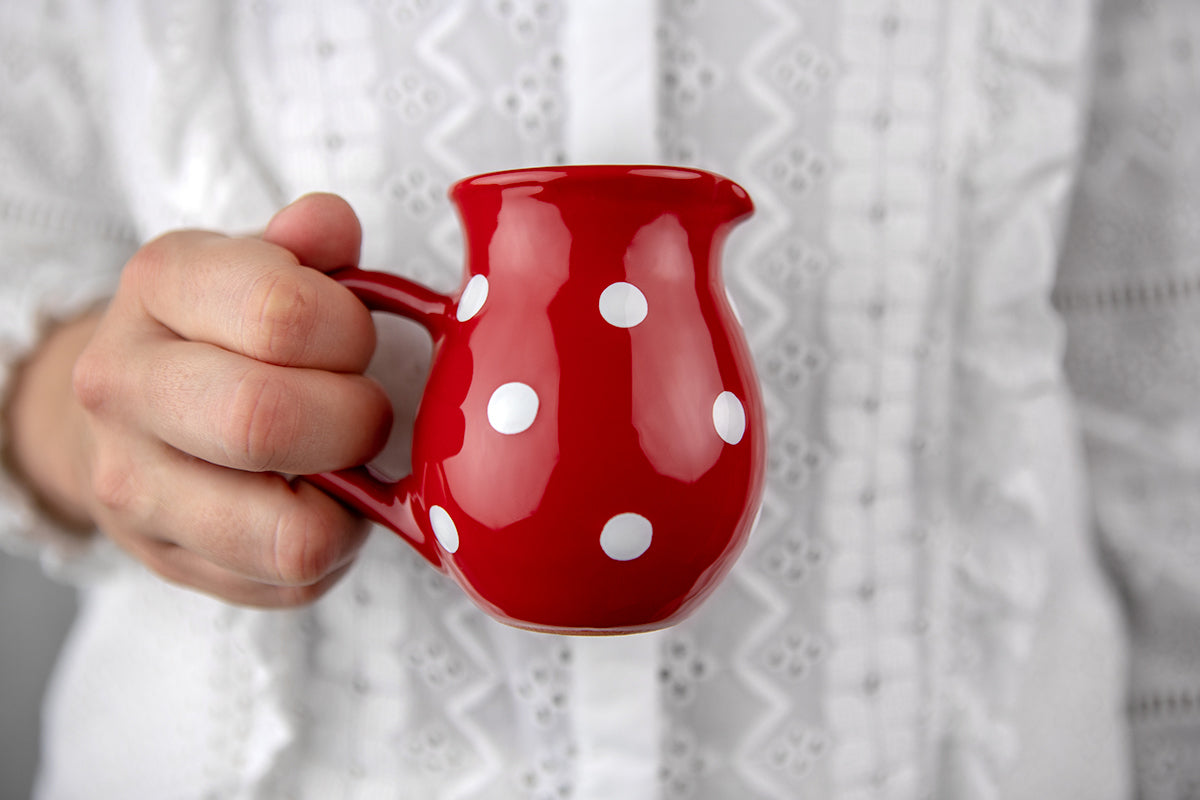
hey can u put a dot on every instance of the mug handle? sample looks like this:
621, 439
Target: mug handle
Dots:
389, 504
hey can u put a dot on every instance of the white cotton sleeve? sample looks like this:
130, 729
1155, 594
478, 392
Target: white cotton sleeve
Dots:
1129, 291
63, 233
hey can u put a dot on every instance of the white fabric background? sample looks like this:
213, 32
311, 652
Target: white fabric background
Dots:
921, 612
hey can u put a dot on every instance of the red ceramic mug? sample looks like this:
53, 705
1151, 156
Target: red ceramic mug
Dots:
588, 455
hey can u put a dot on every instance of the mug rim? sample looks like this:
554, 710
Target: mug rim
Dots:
538, 175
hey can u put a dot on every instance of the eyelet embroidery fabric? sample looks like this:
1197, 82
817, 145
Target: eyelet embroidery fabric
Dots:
1127, 293
910, 162
89, 236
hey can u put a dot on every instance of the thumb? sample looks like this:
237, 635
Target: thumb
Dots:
320, 229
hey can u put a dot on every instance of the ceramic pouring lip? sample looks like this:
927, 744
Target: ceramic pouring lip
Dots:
511, 177
730, 195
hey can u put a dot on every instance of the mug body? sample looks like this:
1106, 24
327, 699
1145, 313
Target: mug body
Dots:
589, 452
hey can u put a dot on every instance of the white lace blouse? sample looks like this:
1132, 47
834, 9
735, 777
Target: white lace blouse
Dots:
971, 297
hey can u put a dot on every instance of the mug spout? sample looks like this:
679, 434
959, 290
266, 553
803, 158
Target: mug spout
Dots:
734, 200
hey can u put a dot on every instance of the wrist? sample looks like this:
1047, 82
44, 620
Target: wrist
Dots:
44, 427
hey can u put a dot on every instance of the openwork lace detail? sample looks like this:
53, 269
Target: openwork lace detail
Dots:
832, 281
1165, 705
1128, 292
867, 642
1155, 294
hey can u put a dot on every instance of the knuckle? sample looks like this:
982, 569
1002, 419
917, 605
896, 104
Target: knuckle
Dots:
280, 318
153, 259
150, 257
305, 551
92, 381
260, 424
117, 489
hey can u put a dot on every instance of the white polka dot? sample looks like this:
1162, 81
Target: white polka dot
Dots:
623, 305
626, 536
444, 528
729, 417
473, 298
512, 408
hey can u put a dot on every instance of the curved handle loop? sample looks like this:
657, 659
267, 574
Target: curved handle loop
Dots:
389, 504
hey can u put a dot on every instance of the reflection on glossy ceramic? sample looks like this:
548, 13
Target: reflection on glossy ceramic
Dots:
588, 455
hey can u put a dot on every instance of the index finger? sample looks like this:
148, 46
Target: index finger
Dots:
251, 297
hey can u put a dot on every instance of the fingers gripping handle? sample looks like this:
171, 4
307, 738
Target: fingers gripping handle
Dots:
389, 504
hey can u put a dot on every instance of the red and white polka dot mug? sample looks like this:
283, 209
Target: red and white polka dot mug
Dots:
588, 455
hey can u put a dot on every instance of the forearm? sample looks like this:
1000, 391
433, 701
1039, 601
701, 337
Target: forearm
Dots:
44, 429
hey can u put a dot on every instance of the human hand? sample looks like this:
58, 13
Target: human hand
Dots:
219, 364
